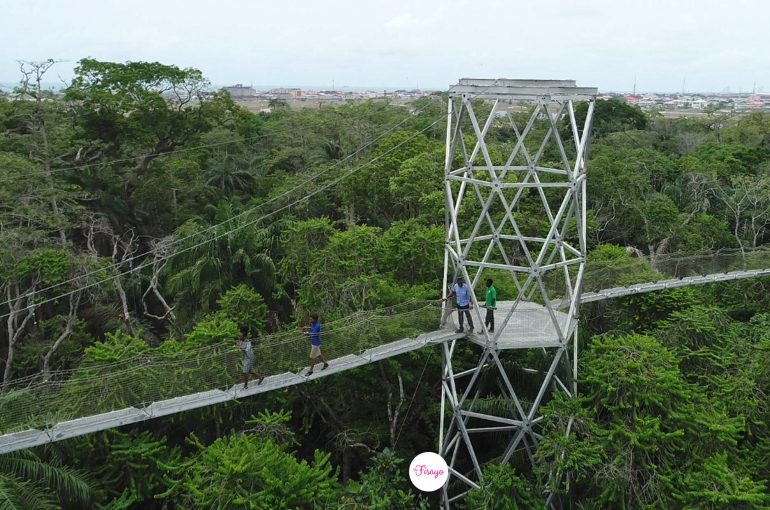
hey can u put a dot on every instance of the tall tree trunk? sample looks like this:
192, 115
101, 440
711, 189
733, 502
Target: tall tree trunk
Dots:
74, 300
14, 329
393, 412
126, 316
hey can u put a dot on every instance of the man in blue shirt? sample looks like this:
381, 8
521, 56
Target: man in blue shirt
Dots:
314, 332
463, 293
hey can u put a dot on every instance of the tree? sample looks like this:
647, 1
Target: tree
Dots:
39, 120
230, 172
416, 182
727, 161
383, 486
20, 280
244, 306
27, 481
367, 191
748, 199
612, 115
633, 187
144, 107
653, 423
246, 470
239, 252
137, 458
752, 130
276, 104
503, 489
717, 485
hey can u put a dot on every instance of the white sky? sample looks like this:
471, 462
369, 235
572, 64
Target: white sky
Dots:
711, 44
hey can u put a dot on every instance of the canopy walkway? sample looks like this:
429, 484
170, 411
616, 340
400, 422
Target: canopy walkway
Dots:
156, 382
617, 292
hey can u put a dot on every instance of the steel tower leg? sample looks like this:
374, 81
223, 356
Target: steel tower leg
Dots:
517, 216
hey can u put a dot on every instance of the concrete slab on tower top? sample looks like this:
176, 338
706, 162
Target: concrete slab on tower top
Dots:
530, 326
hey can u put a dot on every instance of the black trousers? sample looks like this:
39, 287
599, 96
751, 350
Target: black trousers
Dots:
466, 309
489, 320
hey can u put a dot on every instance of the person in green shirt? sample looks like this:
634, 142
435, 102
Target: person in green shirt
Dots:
490, 303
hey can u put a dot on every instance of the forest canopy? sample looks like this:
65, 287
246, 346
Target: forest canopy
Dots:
141, 211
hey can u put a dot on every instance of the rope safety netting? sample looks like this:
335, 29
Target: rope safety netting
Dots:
602, 274
170, 370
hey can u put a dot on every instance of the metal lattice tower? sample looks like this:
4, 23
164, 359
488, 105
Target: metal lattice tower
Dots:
517, 216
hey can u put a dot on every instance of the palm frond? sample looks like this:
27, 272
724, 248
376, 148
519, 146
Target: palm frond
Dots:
67, 483
18, 494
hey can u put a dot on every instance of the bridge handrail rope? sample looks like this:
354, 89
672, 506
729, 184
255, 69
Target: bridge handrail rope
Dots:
151, 377
278, 338
95, 389
595, 269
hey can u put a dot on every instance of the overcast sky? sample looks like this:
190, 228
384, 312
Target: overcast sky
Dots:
708, 44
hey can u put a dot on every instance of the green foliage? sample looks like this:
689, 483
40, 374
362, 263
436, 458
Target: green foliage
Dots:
48, 266
212, 329
412, 252
730, 160
674, 418
67, 356
368, 192
753, 130
716, 485
576, 455
611, 116
126, 102
653, 423
416, 183
118, 346
503, 489
244, 307
246, 471
239, 254
351, 270
130, 466
383, 486
27, 482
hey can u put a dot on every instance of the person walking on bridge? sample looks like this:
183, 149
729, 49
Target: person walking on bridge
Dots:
246, 347
490, 303
314, 332
463, 294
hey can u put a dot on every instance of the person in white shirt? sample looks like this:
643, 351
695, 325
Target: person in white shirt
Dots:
244, 344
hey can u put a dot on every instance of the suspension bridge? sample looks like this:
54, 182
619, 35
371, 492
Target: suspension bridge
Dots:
156, 383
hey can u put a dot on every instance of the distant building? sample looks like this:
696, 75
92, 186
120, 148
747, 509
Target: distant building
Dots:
239, 91
285, 92
755, 103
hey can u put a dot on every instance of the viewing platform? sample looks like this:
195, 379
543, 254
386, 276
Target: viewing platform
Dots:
530, 326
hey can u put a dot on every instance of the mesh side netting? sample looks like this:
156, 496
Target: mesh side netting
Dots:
137, 382
601, 275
